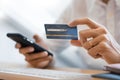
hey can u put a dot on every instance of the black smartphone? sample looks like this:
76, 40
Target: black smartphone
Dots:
24, 41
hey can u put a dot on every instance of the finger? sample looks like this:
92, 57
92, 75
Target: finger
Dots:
100, 49
18, 45
85, 21
46, 61
41, 62
90, 33
95, 51
76, 42
37, 38
39, 41
89, 44
108, 53
26, 50
35, 56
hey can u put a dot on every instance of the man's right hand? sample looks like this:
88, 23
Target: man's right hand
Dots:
40, 59
97, 41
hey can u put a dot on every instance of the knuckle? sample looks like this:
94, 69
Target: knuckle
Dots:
103, 37
85, 45
103, 30
92, 53
103, 45
88, 20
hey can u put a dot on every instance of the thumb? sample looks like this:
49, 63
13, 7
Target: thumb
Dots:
37, 38
40, 41
76, 43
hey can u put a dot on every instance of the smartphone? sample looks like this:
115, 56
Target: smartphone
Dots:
24, 41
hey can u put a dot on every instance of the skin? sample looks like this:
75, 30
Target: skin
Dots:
98, 47
105, 1
38, 60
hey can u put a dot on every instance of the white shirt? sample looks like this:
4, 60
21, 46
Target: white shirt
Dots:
105, 14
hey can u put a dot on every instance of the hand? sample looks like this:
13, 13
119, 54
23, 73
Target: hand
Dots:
100, 45
40, 59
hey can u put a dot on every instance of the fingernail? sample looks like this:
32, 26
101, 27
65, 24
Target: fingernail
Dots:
46, 53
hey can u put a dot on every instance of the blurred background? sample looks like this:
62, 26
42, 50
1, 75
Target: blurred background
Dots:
27, 17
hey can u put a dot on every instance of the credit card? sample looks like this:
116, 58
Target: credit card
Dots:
61, 31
